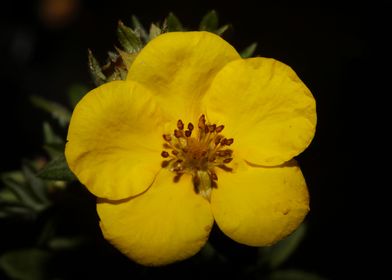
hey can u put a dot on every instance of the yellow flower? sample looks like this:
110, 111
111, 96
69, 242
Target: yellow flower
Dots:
195, 134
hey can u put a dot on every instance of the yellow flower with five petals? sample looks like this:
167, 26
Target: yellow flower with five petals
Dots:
194, 135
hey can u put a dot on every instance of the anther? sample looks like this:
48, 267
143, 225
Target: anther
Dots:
167, 137
219, 128
165, 154
177, 133
218, 139
212, 127
213, 175
180, 125
229, 141
227, 160
190, 126
202, 122
177, 178
188, 133
174, 152
165, 163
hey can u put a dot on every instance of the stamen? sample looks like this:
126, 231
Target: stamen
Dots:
177, 133
219, 128
180, 125
202, 122
218, 138
167, 137
165, 154
197, 154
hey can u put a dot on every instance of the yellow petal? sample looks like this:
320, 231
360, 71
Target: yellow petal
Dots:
114, 140
265, 107
167, 223
259, 206
179, 66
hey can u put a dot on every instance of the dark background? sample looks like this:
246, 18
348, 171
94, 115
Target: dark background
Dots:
337, 50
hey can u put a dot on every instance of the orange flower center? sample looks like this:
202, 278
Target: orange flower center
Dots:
197, 152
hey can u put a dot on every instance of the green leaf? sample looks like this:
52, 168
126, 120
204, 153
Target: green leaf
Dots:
67, 243
222, 29
128, 38
277, 254
37, 186
26, 264
249, 51
49, 136
23, 193
95, 70
154, 31
57, 169
138, 27
58, 111
293, 275
17, 211
209, 22
173, 23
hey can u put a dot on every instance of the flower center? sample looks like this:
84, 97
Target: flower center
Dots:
197, 152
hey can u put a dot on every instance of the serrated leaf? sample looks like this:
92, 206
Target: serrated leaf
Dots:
112, 57
173, 23
293, 275
58, 111
248, 51
137, 26
209, 22
154, 31
222, 29
36, 185
15, 210
95, 70
277, 254
57, 169
127, 58
23, 193
25, 264
128, 38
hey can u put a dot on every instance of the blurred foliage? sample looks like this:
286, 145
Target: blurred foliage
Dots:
52, 219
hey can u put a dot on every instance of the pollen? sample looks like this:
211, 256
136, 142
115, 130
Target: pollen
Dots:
199, 152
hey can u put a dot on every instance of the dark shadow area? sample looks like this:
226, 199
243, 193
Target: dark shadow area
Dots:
338, 51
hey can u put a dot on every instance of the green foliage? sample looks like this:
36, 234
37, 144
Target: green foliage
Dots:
139, 29
276, 255
58, 111
173, 23
23, 195
95, 70
26, 264
57, 169
209, 22
248, 51
75, 93
128, 38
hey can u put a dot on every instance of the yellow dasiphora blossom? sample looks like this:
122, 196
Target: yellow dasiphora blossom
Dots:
194, 135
